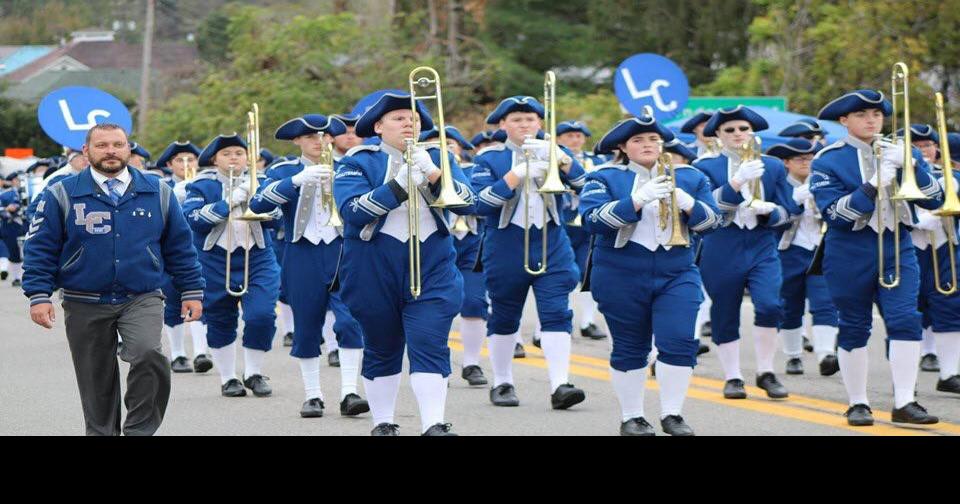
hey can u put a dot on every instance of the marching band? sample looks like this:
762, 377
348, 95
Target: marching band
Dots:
388, 223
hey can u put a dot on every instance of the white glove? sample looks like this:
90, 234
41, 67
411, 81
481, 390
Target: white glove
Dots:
401, 177
315, 174
654, 189
423, 161
887, 174
538, 149
180, 190
763, 207
536, 169
751, 170
801, 194
684, 201
928, 222
893, 153
239, 195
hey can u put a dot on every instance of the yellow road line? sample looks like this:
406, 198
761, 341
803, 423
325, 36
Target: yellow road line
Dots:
801, 408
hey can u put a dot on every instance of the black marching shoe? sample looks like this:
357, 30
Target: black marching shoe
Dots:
951, 384
504, 395
707, 329
702, 349
775, 390
353, 405
519, 352
675, 426
258, 384
536, 341
565, 396
913, 413
440, 429
734, 389
829, 366
795, 366
474, 375
930, 363
181, 365
859, 415
202, 363
385, 429
233, 388
333, 359
288, 339
312, 408
16, 283
592, 332
653, 369
4, 275
807, 345
636, 427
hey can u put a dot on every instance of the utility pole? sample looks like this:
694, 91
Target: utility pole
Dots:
144, 103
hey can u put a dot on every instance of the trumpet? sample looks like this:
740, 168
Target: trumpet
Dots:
665, 165
327, 200
189, 172
751, 151
950, 208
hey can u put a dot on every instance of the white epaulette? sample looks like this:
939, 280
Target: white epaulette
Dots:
611, 164
705, 156
835, 145
361, 148
498, 147
206, 175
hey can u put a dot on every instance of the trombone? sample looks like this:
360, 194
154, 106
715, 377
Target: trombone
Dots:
950, 208
664, 165
551, 183
421, 79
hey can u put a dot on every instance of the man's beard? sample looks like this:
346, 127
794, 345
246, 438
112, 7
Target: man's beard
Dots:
99, 165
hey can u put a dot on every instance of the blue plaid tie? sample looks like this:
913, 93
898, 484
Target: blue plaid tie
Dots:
113, 191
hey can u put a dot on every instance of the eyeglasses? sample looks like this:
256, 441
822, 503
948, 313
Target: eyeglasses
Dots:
731, 129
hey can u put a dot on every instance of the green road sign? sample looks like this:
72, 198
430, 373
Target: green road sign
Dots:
711, 103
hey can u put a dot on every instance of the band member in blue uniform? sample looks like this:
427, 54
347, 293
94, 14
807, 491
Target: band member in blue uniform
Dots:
807, 128
13, 227
705, 145
372, 187
845, 183
179, 157
573, 135
301, 189
499, 173
139, 156
644, 286
343, 142
208, 205
744, 252
797, 244
483, 140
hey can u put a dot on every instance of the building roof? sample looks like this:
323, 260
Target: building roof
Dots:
98, 55
118, 82
12, 58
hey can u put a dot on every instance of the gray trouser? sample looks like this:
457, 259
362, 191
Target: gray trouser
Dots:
92, 334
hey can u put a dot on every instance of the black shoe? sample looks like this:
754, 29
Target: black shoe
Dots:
734, 389
440, 429
288, 339
202, 363
119, 347
536, 342
859, 415
519, 352
653, 369
807, 345
504, 395
233, 388
704, 348
4, 275
829, 366
951, 384
675, 426
312, 409
636, 427
775, 390
930, 363
258, 384
385, 429
333, 359
474, 375
707, 329
565, 396
592, 332
795, 366
913, 413
353, 405
181, 365
16, 283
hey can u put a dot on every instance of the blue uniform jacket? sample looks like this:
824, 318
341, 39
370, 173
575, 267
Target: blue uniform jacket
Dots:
103, 253
207, 212
776, 189
278, 191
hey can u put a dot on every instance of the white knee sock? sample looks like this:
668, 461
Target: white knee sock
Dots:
473, 331
824, 341
252, 362
286, 318
198, 330
349, 370
853, 369
588, 309
4, 263
501, 357
382, 397
310, 371
673, 381
430, 390
330, 337
729, 354
904, 363
929, 345
948, 351
765, 346
16, 271
225, 360
556, 349
175, 336
630, 387
792, 342
517, 338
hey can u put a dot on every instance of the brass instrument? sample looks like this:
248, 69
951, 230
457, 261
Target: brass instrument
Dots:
665, 165
714, 146
189, 172
950, 208
909, 190
751, 151
326, 196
